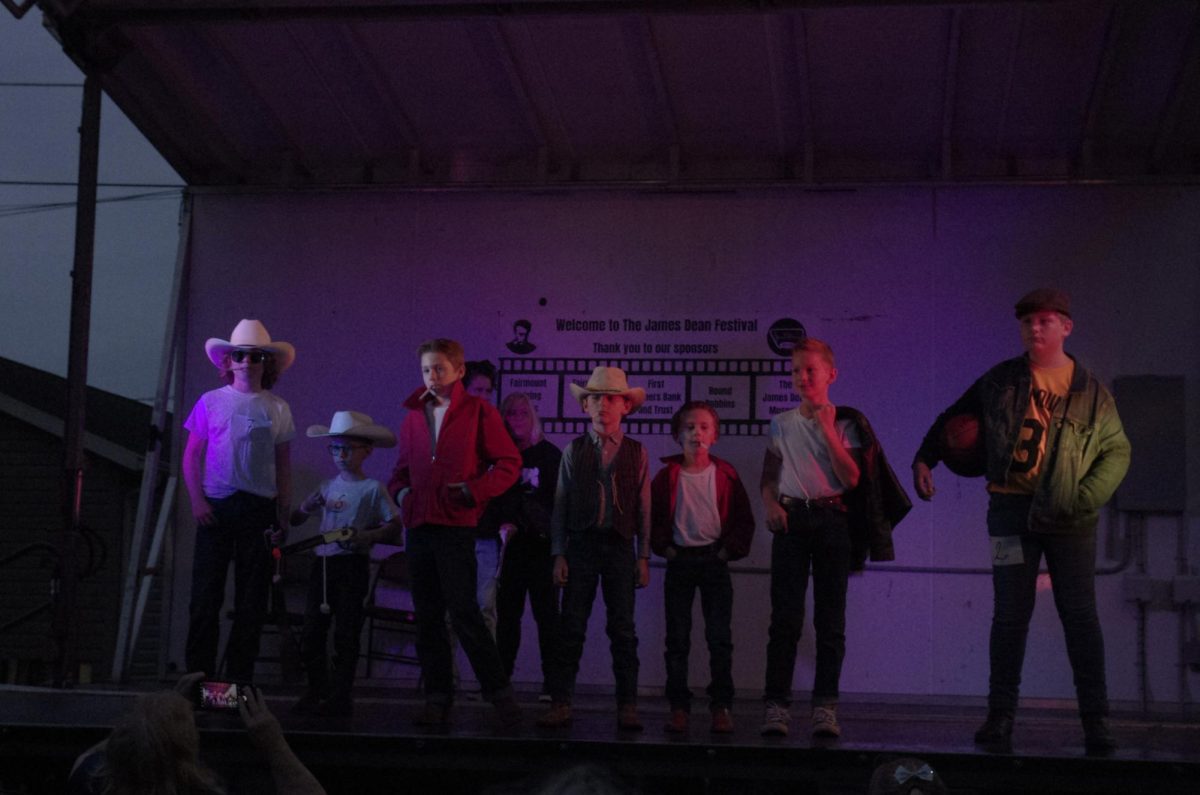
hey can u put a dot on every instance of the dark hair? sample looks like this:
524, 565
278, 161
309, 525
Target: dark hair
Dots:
523, 323
483, 368
694, 405
904, 775
451, 349
269, 376
587, 778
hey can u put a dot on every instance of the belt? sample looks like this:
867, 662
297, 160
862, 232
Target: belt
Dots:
834, 503
705, 551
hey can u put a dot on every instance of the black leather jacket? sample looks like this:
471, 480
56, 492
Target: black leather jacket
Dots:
1087, 454
877, 503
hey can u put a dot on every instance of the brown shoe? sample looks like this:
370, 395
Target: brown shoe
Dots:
557, 717
722, 721
678, 722
433, 715
627, 718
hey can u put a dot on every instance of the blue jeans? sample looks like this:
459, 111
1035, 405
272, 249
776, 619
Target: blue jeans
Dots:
1071, 561
818, 540
603, 558
441, 562
237, 536
341, 581
699, 569
487, 563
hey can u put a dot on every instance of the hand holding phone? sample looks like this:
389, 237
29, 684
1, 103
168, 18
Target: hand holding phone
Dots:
221, 696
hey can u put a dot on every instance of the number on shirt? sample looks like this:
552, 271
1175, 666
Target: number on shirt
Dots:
1030, 446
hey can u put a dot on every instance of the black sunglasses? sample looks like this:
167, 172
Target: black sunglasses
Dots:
255, 357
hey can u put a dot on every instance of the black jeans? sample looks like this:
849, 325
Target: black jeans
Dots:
598, 558
817, 539
1071, 561
441, 563
528, 569
699, 569
341, 581
236, 535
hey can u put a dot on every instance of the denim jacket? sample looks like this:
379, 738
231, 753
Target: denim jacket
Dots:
1087, 453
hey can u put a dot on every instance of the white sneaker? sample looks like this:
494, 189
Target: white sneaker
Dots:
825, 722
775, 724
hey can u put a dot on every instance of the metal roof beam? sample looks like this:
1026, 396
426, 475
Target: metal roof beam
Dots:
652, 86
1086, 156
950, 94
175, 11
804, 99
1184, 88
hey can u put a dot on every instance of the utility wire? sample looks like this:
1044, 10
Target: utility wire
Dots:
28, 209
8, 84
25, 183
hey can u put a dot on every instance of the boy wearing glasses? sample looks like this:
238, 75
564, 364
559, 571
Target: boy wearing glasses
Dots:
237, 470
350, 500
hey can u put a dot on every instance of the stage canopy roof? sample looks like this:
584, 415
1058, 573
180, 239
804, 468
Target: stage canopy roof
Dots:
565, 93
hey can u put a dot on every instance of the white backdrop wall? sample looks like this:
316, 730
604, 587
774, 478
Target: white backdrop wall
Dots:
913, 288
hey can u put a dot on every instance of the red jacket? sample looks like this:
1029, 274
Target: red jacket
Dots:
733, 505
473, 448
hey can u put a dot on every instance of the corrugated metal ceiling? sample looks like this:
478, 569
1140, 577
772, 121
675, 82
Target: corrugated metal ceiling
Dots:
295, 93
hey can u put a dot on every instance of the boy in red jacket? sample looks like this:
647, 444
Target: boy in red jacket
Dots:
455, 455
700, 518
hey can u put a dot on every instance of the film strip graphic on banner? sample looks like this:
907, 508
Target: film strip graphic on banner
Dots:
746, 393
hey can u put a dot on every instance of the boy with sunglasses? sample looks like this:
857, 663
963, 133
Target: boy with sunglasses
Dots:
237, 470
338, 588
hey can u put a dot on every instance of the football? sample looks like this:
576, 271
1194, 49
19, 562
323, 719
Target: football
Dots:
962, 446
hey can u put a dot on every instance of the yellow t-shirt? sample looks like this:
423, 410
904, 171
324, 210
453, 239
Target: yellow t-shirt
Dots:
1049, 390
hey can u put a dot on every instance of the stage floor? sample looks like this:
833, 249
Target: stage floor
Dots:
379, 750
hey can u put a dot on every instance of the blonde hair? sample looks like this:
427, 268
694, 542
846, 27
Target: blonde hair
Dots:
813, 345
520, 397
155, 749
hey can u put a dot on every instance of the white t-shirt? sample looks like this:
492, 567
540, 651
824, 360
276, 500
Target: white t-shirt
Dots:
361, 504
242, 429
807, 470
697, 520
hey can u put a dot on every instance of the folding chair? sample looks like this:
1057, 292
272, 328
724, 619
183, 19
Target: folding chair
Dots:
388, 609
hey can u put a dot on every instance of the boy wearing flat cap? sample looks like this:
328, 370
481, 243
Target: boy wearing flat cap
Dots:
1055, 452
600, 536
236, 466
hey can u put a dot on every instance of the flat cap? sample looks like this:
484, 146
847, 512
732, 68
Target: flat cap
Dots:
1044, 299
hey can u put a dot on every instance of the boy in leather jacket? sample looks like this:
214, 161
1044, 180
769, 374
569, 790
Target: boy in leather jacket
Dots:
1055, 452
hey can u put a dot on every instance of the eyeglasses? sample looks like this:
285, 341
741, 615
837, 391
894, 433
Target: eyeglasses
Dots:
255, 357
344, 449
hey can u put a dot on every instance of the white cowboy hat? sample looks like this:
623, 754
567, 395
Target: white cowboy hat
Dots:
609, 381
356, 424
250, 334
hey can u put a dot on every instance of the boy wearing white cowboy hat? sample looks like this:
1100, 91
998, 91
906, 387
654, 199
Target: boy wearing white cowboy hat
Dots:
349, 500
237, 470
600, 535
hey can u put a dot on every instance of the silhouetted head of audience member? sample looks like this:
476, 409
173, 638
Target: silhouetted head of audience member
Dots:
156, 748
586, 779
906, 776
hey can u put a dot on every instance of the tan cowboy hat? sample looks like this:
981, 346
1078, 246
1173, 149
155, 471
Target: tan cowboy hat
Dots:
356, 424
250, 334
609, 381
